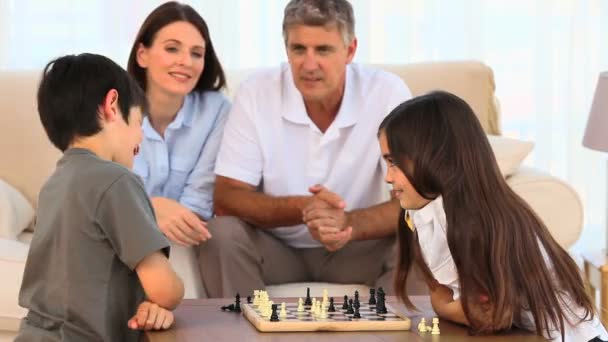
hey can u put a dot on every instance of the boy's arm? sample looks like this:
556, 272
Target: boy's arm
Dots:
161, 284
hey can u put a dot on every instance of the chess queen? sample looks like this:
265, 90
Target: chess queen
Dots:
489, 261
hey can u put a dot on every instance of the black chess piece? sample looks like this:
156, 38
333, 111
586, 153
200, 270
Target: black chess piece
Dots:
356, 296
372, 297
381, 305
357, 314
274, 317
228, 308
308, 300
356, 302
350, 310
345, 305
248, 299
237, 305
331, 308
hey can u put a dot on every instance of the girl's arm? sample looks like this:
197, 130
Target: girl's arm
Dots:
442, 299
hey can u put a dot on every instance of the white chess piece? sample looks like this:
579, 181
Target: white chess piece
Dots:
422, 325
325, 296
256, 297
283, 312
300, 305
435, 330
323, 313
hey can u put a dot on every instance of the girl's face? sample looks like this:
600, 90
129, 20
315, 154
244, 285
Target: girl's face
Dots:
175, 60
403, 190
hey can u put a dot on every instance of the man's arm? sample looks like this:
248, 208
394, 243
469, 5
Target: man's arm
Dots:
375, 222
161, 284
236, 198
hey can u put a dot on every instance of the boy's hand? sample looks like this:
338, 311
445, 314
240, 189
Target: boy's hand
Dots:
178, 223
150, 316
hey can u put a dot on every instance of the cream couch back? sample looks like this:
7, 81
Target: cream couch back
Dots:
27, 158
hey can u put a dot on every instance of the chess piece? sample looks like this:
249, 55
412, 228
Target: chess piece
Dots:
435, 329
372, 297
228, 307
325, 295
323, 314
283, 312
345, 305
300, 305
308, 301
332, 308
381, 305
256, 298
356, 313
356, 297
350, 310
422, 325
237, 305
248, 299
274, 317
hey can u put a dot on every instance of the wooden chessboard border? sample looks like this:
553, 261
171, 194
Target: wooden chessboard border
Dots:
264, 325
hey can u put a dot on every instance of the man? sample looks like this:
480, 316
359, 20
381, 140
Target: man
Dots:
311, 122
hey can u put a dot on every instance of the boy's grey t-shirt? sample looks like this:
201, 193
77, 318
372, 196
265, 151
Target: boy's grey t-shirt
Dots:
94, 224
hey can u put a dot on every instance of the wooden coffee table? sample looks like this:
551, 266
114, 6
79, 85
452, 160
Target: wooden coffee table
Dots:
202, 319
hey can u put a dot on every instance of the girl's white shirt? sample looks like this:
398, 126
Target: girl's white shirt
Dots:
431, 224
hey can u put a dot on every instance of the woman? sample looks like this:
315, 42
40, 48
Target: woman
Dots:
489, 261
174, 61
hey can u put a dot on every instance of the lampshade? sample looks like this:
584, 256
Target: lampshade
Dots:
596, 134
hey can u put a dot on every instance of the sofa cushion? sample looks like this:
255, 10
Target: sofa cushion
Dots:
16, 213
12, 263
509, 153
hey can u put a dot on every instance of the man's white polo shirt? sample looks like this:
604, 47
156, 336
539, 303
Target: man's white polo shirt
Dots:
269, 140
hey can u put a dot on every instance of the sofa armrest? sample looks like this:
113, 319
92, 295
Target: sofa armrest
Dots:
12, 263
554, 201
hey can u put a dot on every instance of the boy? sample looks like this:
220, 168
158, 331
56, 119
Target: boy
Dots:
97, 269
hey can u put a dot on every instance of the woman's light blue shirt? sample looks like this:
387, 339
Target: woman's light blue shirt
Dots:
181, 166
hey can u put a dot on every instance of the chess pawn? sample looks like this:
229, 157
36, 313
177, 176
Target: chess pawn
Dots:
372, 297
422, 325
332, 308
345, 304
435, 330
283, 312
300, 305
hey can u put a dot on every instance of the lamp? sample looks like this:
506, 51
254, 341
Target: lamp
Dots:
596, 134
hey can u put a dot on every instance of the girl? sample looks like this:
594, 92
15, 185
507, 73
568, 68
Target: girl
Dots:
488, 259
173, 60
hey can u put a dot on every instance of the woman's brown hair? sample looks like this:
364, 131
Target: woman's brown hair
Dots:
499, 245
213, 77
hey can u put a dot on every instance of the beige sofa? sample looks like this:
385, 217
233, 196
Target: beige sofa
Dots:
27, 159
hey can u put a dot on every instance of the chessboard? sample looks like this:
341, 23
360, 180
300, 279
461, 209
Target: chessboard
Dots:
339, 320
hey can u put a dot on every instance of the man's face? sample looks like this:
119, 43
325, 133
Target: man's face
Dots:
318, 58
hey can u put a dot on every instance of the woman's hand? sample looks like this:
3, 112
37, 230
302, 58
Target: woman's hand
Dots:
178, 223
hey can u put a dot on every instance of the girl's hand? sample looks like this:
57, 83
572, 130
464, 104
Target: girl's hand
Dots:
150, 316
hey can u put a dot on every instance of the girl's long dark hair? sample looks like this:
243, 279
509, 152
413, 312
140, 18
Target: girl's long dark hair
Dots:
495, 238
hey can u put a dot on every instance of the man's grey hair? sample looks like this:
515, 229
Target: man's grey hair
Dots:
321, 13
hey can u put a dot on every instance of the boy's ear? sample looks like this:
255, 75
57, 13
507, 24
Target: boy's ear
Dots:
109, 108
142, 56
